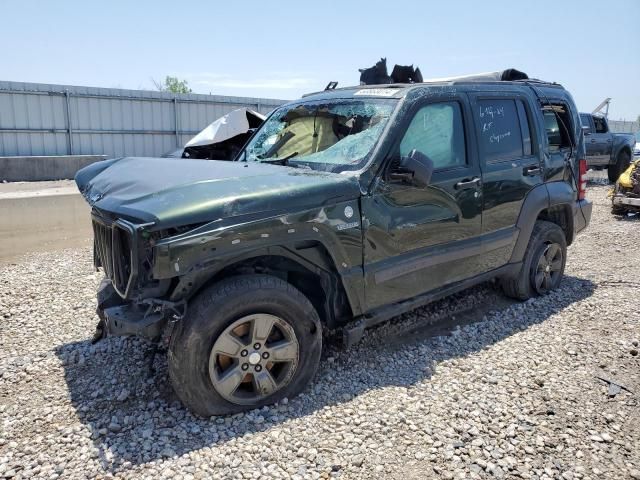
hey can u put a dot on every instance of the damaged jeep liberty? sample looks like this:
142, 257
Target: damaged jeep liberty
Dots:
345, 208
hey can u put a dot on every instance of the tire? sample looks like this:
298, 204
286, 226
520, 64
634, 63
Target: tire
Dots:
548, 240
618, 211
623, 160
223, 318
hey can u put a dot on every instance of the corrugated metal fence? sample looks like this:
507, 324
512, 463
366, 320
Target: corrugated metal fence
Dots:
41, 119
624, 126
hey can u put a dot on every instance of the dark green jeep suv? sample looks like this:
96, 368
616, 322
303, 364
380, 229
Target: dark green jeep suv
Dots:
345, 208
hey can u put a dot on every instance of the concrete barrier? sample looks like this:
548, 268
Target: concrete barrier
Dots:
36, 169
41, 216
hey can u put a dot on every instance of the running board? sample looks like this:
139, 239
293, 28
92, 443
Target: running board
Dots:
354, 331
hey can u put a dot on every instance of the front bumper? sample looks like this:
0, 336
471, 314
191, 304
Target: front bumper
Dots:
144, 318
128, 320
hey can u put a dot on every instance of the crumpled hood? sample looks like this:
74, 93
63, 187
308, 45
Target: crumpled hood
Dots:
173, 192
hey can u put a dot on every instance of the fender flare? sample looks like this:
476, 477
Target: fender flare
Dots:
539, 198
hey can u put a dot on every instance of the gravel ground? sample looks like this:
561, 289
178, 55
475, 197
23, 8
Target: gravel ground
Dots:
495, 389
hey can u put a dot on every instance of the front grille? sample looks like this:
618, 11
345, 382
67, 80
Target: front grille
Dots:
113, 251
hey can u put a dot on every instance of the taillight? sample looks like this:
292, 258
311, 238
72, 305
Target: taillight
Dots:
582, 179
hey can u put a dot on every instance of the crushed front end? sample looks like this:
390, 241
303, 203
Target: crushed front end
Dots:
130, 301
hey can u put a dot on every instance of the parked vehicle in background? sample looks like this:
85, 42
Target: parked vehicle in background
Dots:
347, 207
223, 138
606, 149
636, 148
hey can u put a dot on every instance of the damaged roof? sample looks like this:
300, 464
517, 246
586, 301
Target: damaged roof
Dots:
398, 90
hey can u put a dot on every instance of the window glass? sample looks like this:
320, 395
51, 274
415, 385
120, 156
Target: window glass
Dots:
333, 135
600, 125
500, 133
584, 119
437, 132
553, 130
558, 126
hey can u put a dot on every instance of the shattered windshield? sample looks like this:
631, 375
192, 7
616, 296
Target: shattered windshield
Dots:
334, 136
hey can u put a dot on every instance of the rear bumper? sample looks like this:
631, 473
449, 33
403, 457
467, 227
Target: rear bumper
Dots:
597, 163
581, 215
622, 200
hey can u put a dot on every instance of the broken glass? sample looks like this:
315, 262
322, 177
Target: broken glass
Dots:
333, 135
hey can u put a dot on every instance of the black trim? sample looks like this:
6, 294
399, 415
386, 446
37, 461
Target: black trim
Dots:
132, 231
107, 252
439, 254
536, 200
353, 332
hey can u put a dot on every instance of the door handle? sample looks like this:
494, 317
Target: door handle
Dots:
531, 170
609, 141
593, 140
468, 183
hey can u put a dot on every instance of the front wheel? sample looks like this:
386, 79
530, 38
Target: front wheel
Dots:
623, 160
246, 342
543, 264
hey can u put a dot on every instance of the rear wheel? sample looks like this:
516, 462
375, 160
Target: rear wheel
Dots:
623, 160
246, 342
543, 264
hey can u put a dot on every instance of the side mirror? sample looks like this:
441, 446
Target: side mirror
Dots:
586, 131
416, 169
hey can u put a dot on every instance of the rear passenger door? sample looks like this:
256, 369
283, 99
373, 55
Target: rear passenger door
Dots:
511, 166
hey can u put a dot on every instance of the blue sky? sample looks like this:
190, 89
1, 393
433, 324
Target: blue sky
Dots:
286, 48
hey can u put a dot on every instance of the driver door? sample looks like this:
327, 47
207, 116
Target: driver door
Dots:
417, 239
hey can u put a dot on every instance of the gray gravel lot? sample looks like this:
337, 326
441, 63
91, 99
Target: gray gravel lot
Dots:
503, 390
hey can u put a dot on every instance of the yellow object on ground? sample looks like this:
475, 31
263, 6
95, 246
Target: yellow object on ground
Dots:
625, 178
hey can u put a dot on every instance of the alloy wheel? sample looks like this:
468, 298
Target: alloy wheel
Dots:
253, 358
548, 270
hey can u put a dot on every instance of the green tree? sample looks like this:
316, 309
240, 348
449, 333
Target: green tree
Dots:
172, 84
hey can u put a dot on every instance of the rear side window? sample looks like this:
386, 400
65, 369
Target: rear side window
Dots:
437, 131
557, 123
502, 136
552, 128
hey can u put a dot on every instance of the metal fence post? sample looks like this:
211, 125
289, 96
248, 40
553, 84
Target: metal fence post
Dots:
69, 128
175, 119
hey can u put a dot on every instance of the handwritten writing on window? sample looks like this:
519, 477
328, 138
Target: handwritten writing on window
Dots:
491, 111
499, 137
489, 114
499, 129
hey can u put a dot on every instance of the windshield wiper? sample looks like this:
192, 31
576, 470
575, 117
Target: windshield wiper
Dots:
280, 161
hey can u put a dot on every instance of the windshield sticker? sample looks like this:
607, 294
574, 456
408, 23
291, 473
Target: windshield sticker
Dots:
377, 92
